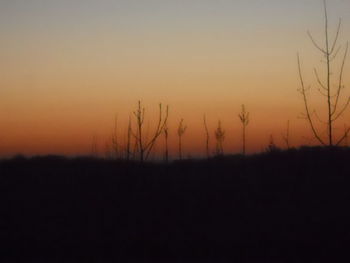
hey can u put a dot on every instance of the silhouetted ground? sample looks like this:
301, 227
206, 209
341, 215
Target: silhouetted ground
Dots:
288, 206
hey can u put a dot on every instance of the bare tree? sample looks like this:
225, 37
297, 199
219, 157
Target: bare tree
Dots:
329, 50
128, 141
207, 136
220, 137
166, 135
271, 147
145, 145
94, 146
244, 118
346, 139
180, 132
118, 149
108, 150
285, 136
115, 143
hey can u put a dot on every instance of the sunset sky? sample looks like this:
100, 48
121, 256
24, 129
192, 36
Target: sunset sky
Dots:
68, 67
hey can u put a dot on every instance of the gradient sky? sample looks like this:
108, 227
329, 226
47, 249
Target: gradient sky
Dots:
67, 67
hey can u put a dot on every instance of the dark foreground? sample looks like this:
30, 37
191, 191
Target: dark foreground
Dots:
276, 207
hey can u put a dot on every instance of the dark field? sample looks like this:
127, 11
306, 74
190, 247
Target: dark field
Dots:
281, 206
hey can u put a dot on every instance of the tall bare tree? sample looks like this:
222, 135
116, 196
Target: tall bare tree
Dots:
145, 145
220, 137
244, 118
181, 129
206, 136
329, 51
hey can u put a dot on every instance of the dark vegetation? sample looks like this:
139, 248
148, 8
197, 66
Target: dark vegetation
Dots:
278, 206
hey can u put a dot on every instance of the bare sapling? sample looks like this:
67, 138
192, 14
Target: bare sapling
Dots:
220, 137
166, 144
285, 136
206, 136
115, 142
244, 118
143, 144
180, 132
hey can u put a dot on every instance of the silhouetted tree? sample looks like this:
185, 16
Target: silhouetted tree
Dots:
285, 136
244, 118
271, 147
346, 139
128, 141
166, 134
108, 150
180, 132
207, 136
220, 137
144, 145
94, 147
329, 52
115, 143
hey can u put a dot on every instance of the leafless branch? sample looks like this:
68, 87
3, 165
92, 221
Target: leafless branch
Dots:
346, 133
335, 54
307, 112
315, 44
336, 36
342, 110
340, 79
318, 79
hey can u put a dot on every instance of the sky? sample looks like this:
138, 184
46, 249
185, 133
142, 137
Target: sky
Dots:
67, 68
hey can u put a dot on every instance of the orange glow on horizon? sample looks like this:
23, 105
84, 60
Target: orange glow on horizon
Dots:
67, 69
